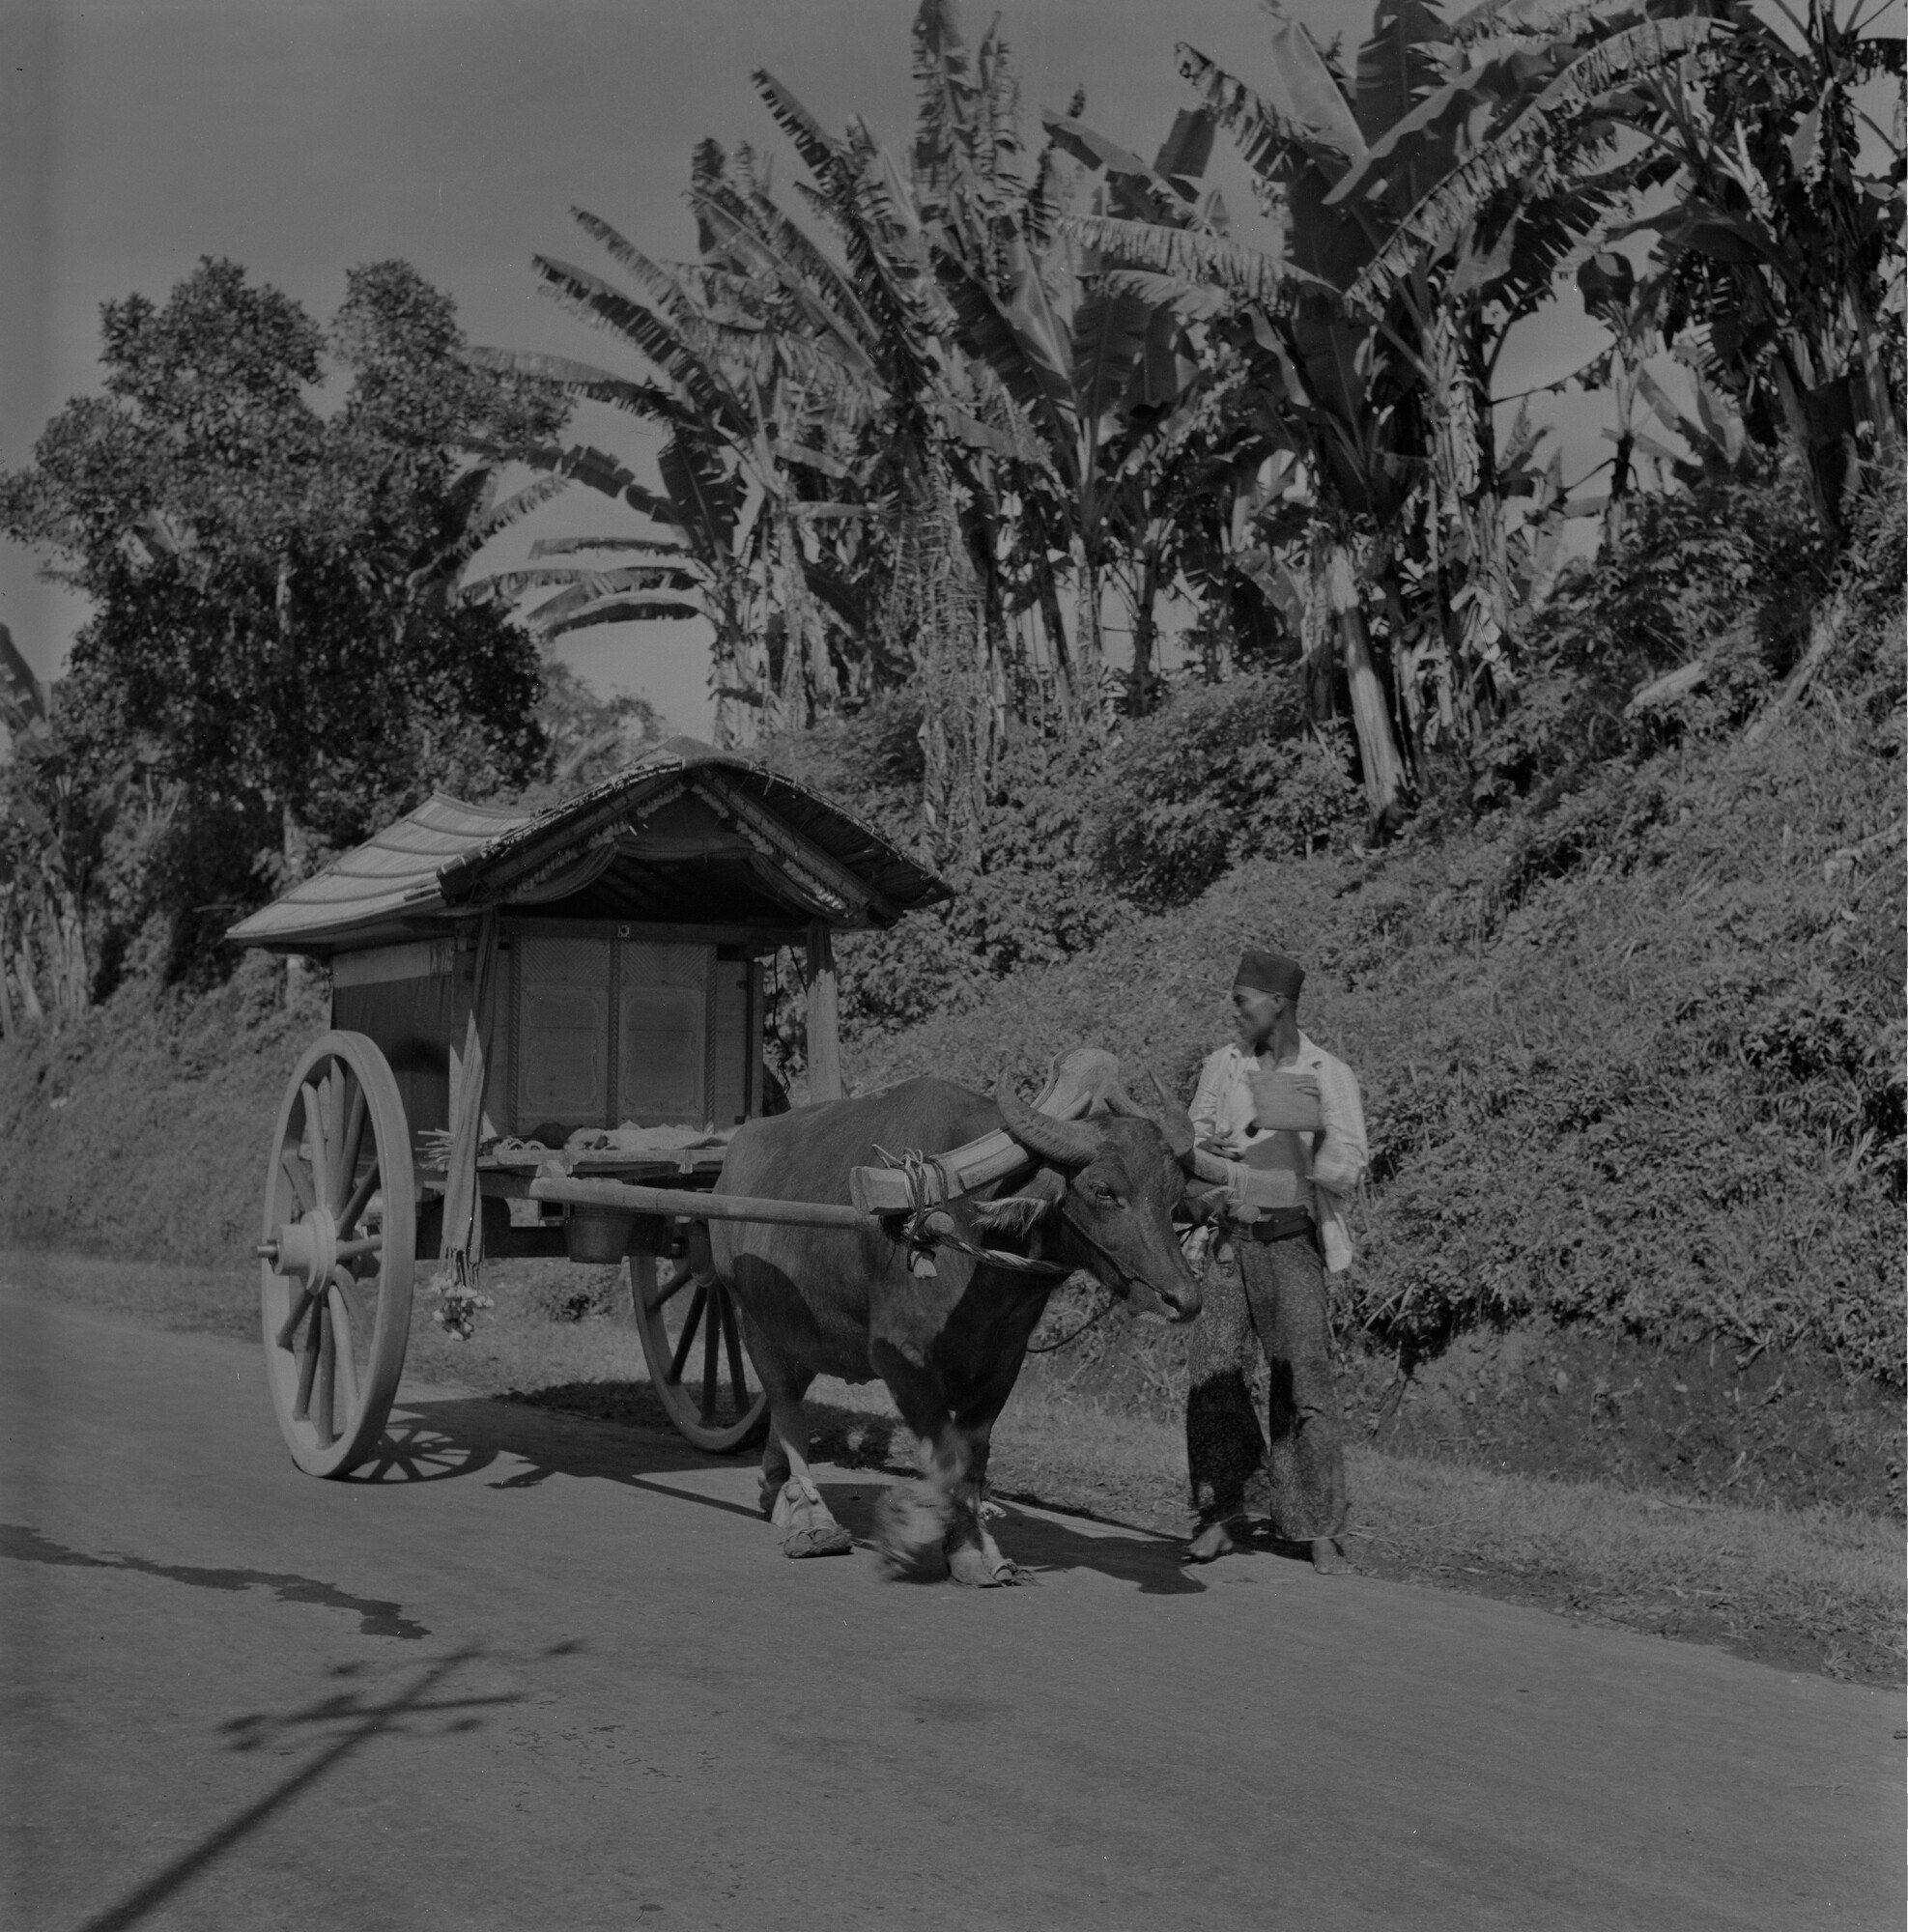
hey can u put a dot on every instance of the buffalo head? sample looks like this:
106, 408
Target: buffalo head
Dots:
1108, 1204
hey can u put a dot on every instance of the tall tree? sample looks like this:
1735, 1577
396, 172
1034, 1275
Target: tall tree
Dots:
272, 589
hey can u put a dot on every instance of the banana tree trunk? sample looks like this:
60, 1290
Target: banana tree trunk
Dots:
936, 614
1793, 388
1088, 652
1623, 390
1053, 625
1875, 377
73, 981
23, 971
1146, 634
737, 691
1371, 716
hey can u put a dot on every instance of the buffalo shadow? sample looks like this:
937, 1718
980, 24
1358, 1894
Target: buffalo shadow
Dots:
619, 1432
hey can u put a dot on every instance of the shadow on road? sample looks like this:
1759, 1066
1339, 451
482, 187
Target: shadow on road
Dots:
21, 1542
465, 1436
361, 1719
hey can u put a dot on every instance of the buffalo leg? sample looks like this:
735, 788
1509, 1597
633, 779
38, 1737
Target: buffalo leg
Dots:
917, 1523
790, 1498
972, 1555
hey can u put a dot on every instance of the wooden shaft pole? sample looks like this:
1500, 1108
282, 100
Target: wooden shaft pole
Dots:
824, 1024
699, 1206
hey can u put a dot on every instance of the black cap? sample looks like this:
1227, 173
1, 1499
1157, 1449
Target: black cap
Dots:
1270, 973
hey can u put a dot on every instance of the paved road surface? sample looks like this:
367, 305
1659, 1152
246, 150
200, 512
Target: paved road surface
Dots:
554, 1674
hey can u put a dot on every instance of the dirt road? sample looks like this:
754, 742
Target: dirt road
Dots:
554, 1674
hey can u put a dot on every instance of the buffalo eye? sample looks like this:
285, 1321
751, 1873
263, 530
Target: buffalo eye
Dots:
1103, 1193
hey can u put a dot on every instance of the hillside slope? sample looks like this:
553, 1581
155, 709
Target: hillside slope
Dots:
141, 1134
1633, 1071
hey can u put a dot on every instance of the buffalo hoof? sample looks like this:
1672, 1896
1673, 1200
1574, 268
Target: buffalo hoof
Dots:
984, 1570
818, 1539
908, 1528
808, 1528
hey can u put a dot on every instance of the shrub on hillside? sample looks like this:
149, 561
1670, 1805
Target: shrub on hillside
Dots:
1071, 834
1029, 896
1223, 773
1728, 573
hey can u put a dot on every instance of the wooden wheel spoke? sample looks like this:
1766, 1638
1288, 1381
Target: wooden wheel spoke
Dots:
341, 1325
289, 1327
361, 1196
289, 1159
314, 1133
698, 1302
364, 1244
308, 1353
655, 1303
324, 1399
699, 1408
362, 1311
333, 1093
350, 1142
711, 1342
738, 1380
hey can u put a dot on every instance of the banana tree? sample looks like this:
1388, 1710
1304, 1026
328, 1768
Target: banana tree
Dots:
1103, 380
1423, 210
1784, 249
737, 385
922, 589
1324, 383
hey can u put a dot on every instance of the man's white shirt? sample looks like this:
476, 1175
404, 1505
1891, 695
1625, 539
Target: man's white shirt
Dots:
1222, 1114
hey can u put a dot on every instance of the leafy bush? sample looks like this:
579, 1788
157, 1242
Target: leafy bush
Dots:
1728, 573
1223, 773
1031, 897
1072, 837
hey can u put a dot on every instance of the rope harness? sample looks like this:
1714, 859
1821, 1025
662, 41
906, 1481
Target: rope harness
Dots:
928, 1191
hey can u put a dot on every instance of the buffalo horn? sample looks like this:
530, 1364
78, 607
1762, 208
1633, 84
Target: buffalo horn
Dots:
1066, 1143
1168, 1116
1175, 1122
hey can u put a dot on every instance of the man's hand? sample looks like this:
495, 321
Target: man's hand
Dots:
1284, 1098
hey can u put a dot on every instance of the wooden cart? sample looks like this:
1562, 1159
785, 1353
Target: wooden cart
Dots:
497, 979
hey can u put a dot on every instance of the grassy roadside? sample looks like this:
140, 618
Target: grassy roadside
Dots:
1815, 1589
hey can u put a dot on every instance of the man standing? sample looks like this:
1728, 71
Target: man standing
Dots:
1286, 1116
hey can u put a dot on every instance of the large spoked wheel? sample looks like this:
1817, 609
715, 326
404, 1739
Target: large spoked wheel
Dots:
336, 1261
692, 1339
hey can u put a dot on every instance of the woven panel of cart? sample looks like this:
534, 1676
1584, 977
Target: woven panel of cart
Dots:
576, 991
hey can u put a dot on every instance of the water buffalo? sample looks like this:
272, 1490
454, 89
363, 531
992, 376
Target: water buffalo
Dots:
949, 1346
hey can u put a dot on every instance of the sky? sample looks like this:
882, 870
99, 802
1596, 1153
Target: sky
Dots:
301, 138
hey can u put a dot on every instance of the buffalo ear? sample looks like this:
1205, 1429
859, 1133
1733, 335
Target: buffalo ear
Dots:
1017, 1213
1014, 1215
1200, 1205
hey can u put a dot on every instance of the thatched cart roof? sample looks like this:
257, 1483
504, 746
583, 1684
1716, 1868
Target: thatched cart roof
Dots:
687, 835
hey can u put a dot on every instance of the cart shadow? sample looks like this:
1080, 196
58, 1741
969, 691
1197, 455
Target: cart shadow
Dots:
465, 1436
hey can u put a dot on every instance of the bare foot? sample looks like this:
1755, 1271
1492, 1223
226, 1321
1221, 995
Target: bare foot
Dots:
1327, 1559
1215, 1541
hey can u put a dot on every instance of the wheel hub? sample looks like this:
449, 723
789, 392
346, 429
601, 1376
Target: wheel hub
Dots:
306, 1249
